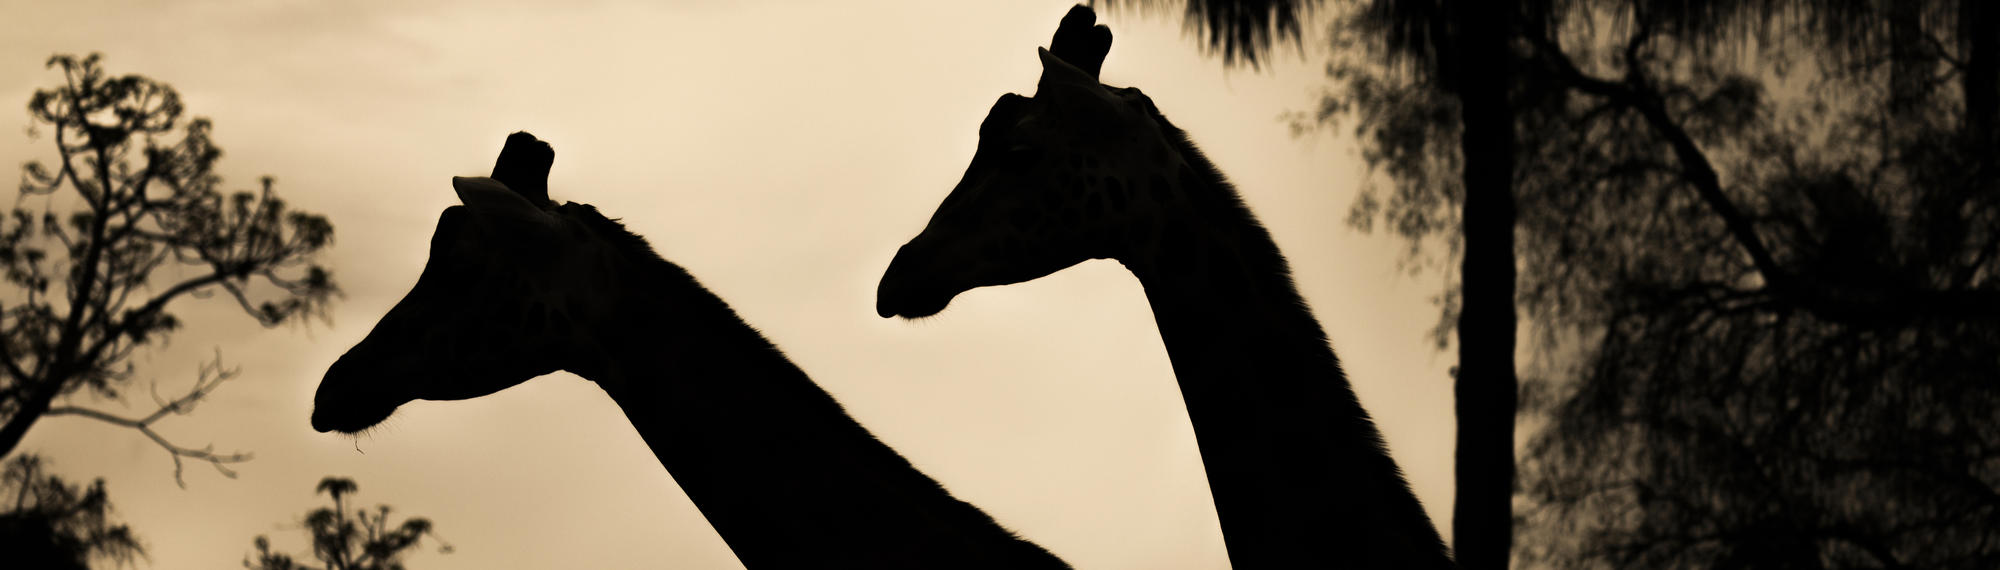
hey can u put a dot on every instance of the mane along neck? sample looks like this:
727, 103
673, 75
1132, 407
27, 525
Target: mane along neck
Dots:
783, 473
1297, 469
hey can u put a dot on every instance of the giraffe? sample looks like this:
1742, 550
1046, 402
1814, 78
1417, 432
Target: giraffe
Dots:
1079, 171
517, 287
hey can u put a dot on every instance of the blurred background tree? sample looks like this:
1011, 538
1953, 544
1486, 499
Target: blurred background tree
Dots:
1758, 248
364, 541
1245, 32
146, 197
84, 293
52, 525
1463, 48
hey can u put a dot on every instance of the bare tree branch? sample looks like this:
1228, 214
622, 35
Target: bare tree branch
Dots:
152, 307
243, 301
211, 375
1700, 174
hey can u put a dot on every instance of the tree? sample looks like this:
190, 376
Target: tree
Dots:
365, 541
147, 196
1467, 51
50, 524
1243, 31
1767, 322
1469, 48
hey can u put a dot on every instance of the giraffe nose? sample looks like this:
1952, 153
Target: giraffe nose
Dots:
344, 404
890, 291
911, 287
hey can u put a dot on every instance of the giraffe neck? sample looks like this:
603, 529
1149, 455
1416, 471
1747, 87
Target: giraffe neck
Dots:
785, 476
1297, 470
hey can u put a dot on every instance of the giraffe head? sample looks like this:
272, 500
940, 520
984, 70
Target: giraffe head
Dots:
1079, 171
508, 277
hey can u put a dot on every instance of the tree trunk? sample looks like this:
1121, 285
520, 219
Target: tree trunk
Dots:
1979, 29
1911, 64
1482, 515
37, 401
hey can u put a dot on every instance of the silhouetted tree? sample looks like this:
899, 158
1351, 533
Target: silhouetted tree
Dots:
1244, 31
364, 541
1467, 51
1467, 47
52, 525
1765, 292
146, 197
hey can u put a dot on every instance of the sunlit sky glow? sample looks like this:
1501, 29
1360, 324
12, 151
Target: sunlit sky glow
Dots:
781, 152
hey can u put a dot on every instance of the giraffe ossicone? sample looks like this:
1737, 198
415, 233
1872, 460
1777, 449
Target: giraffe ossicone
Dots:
516, 288
1298, 472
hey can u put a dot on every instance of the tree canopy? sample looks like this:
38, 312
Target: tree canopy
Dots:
54, 525
1761, 271
1243, 31
134, 190
364, 540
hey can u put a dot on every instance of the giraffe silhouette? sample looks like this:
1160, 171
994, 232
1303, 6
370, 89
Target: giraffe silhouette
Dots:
1298, 472
517, 287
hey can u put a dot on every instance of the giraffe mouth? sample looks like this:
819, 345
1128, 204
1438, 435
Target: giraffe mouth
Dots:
347, 420
344, 405
345, 412
911, 307
908, 289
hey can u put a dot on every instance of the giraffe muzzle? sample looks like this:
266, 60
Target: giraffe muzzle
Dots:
346, 401
909, 288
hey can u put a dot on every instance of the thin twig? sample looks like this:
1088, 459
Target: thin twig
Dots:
211, 376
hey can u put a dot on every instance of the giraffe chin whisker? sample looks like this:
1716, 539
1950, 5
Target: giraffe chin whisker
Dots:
902, 294
350, 424
348, 415
910, 306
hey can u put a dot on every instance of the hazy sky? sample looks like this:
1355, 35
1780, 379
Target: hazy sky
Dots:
781, 152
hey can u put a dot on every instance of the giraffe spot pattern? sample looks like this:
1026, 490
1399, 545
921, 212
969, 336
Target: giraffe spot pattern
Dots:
494, 336
458, 345
1025, 158
1021, 218
1159, 189
533, 319
558, 322
1140, 232
1224, 272
1189, 180
1174, 239
1014, 251
1052, 201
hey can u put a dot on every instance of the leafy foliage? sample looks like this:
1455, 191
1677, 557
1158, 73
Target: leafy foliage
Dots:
84, 266
1764, 293
1243, 31
364, 541
51, 524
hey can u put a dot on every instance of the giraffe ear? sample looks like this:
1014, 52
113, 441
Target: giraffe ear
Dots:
487, 194
1055, 71
1073, 92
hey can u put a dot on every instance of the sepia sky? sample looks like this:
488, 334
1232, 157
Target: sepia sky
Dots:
779, 150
